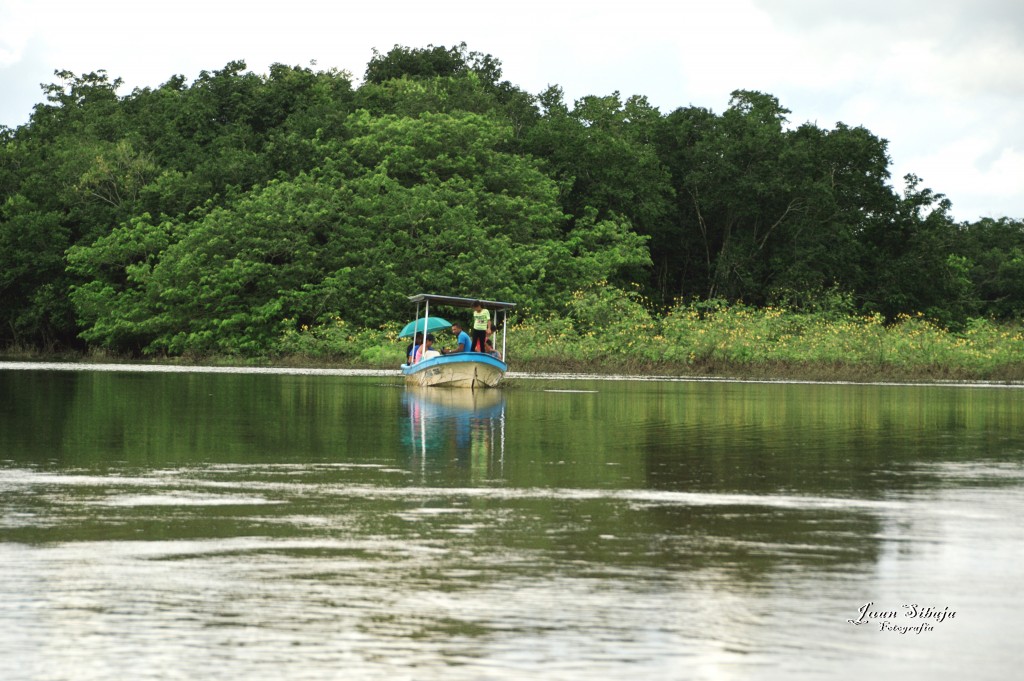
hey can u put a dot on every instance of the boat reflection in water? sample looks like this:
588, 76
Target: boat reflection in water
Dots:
452, 430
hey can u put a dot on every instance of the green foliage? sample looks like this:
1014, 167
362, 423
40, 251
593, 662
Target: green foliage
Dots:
603, 308
91, 162
717, 337
603, 156
334, 340
914, 239
33, 309
227, 214
743, 335
431, 62
717, 331
991, 255
403, 205
763, 211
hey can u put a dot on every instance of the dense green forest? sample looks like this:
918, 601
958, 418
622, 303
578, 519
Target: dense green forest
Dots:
222, 215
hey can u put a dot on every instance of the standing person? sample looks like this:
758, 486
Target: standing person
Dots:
481, 323
463, 343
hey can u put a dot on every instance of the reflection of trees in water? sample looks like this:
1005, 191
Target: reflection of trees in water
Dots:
93, 418
835, 440
455, 430
814, 444
36, 406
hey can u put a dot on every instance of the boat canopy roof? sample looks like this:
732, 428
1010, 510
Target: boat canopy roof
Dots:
460, 302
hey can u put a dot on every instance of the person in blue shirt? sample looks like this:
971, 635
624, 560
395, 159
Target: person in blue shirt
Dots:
461, 338
410, 352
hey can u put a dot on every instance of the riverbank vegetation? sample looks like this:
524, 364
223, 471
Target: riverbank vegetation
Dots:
253, 217
610, 331
714, 338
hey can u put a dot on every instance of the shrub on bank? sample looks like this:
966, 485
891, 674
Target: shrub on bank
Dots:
609, 330
717, 337
336, 341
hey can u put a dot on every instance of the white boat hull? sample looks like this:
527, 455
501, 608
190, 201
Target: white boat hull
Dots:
464, 370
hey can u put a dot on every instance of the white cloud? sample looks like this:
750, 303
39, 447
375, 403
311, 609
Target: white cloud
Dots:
988, 174
14, 31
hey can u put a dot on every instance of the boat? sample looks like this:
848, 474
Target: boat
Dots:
461, 369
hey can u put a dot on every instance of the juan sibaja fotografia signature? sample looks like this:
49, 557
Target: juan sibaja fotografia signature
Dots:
911, 618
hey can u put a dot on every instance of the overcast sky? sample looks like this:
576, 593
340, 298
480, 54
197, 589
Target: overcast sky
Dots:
942, 80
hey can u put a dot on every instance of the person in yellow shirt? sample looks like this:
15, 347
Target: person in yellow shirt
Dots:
481, 324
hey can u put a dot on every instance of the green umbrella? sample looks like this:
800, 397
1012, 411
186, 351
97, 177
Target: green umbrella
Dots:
433, 324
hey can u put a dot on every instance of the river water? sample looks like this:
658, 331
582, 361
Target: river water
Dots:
261, 525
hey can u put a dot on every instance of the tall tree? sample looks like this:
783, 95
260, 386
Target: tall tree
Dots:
61, 170
410, 81
993, 253
766, 213
739, 197
841, 176
908, 261
90, 160
603, 156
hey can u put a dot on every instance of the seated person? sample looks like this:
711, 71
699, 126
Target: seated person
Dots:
489, 349
427, 351
410, 352
461, 338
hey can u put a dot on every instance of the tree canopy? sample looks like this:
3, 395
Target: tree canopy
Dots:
216, 215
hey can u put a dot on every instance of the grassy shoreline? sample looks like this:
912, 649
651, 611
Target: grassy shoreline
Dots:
613, 333
766, 371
